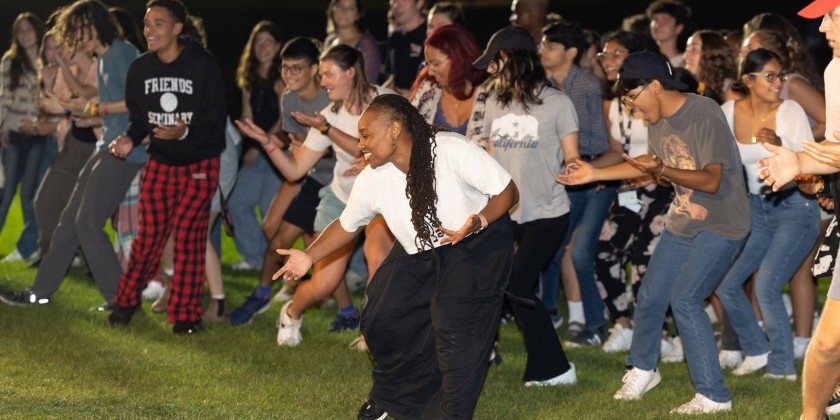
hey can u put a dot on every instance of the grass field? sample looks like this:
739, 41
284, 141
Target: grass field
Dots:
61, 361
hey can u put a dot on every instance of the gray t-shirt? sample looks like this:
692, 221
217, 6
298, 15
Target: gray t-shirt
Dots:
291, 102
527, 145
697, 135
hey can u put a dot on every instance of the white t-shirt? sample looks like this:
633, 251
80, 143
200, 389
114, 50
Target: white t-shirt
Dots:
348, 123
791, 125
465, 179
636, 128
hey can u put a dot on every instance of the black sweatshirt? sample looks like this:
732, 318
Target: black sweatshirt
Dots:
190, 88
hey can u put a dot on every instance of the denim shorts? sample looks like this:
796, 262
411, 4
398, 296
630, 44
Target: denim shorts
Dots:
329, 208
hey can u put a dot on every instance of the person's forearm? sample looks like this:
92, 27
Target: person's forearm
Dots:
116, 107
343, 140
700, 179
331, 239
809, 166
618, 172
287, 165
501, 204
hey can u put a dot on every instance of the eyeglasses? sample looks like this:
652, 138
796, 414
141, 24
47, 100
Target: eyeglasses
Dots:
628, 101
293, 70
771, 77
603, 55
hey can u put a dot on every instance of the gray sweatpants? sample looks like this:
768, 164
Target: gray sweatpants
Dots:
101, 187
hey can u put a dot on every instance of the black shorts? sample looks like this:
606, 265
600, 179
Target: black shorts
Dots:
301, 211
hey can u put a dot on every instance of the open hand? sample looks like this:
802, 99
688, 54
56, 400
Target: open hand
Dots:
296, 266
779, 169
252, 130
316, 120
472, 225
577, 173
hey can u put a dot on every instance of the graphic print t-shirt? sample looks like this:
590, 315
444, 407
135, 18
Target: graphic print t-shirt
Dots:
527, 144
696, 136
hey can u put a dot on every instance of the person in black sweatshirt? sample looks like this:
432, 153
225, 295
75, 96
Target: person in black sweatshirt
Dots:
175, 96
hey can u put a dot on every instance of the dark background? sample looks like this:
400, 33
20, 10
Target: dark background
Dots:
229, 22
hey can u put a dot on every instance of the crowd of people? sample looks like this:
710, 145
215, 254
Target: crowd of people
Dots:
663, 179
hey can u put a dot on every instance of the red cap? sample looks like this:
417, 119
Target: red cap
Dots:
818, 8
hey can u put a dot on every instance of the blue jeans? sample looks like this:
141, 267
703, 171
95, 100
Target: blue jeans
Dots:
21, 162
28, 241
783, 230
589, 208
683, 272
255, 186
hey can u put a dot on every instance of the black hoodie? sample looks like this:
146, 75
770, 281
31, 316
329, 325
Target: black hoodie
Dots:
190, 88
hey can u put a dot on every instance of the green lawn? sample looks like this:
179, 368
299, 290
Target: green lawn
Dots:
61, 361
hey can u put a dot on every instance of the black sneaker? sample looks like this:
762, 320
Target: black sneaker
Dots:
23, 298
187, 327
345, 323
587, 338
370, 410
120, 316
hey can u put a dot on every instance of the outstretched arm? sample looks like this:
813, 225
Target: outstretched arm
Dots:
299, 262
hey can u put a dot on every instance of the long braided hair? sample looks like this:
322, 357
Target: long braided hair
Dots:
420, 179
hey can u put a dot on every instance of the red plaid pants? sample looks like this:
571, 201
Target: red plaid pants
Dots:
173, 199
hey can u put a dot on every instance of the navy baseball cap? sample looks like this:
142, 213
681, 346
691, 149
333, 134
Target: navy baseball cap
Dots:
649, 65
508, 38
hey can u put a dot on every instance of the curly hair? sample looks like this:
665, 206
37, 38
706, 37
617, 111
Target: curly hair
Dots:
82, 14
420, 179
520, 79
716, 61
247, 74
20, 63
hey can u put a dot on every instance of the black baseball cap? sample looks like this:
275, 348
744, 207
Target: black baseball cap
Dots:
508, 38
649, 65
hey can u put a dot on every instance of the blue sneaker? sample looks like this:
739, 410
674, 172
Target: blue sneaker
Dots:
345, 323
252, 307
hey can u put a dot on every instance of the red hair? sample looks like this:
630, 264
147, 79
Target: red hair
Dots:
462, 49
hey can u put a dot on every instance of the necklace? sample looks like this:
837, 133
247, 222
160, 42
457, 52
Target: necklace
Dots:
753, 139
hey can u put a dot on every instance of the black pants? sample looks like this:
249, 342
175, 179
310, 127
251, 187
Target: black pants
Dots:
429, 322
538, 241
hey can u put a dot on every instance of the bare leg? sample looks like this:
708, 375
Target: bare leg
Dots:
328, 275
213, 264
272, 221
283, 238
803, 291
820, 373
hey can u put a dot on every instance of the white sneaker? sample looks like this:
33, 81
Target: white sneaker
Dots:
619, 340
834, 402
636, 383
243, 266
791, 377
751, 364
13, 257
567, 378
671, 350
288, 329
359, 344
154, 290
702, 405
730, 358
800, 346
286, 292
